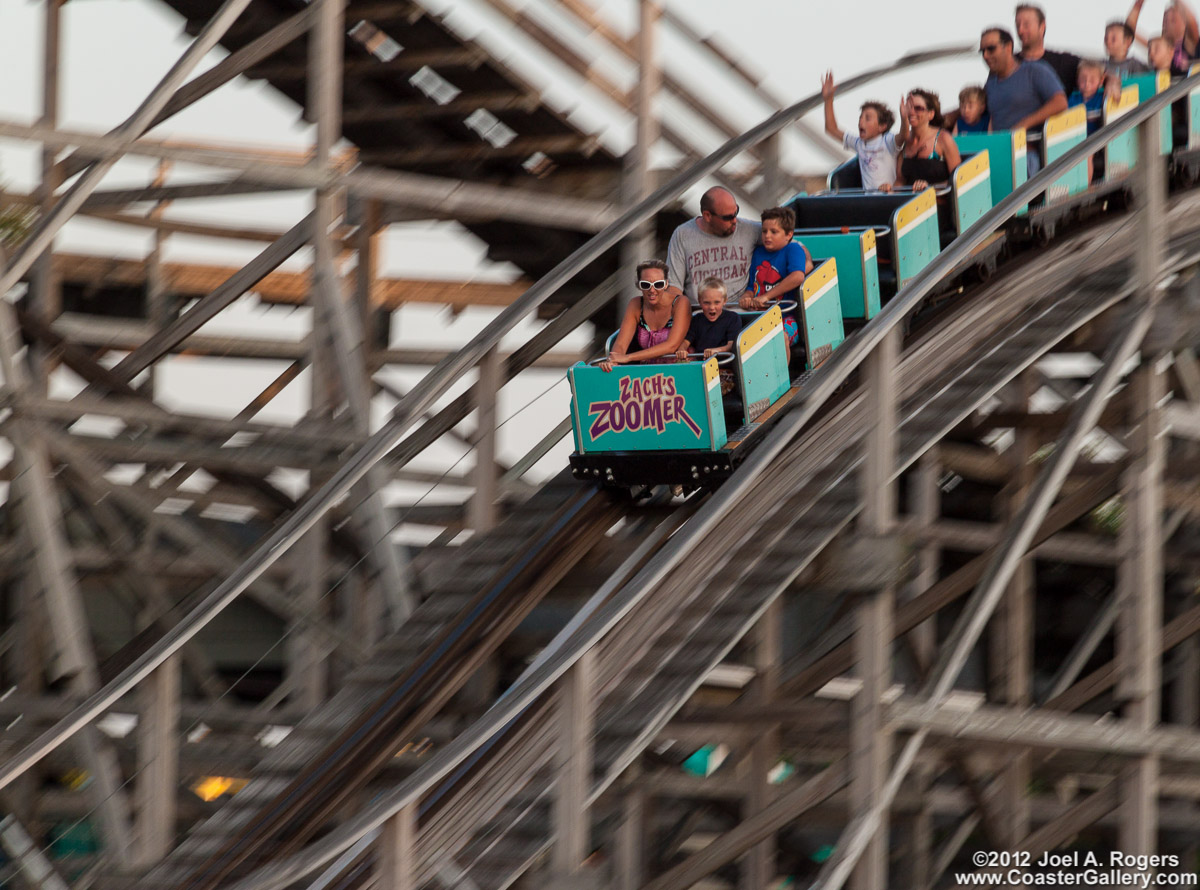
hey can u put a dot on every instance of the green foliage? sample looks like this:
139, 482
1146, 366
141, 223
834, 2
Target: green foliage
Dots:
15, 222
1107, 517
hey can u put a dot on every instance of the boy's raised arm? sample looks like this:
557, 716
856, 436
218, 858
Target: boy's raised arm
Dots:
827, 91
902, 136
1132, 19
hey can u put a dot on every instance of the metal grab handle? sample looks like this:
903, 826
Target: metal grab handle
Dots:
723, 357
784, 305
669, 359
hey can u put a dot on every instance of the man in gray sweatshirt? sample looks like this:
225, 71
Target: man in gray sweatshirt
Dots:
716, 244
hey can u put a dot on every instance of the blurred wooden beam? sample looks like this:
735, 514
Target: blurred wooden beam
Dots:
406, 62
504, 100
196, 280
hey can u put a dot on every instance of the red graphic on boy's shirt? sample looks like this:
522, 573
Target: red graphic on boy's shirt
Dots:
766, 277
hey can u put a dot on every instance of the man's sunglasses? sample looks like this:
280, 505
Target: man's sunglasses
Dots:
990, 48
661, 284
728, 217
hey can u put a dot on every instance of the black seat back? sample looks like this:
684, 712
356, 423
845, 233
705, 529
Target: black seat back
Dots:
847, 175
859, 210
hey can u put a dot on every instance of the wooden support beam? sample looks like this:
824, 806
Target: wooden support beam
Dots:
97, 332
438, 194
398, 850
1000, 728
107, 198
870, 741
927, 508
264, 590
211, 305
384, 11
1187, 369
1182, 420
1081, 653
924, 606
1011, 643
758, 868
75, 657
1140, 608
483, 501
1082, 814
189, 426
632, 842
789, 806
341, 327
158, 301
1046, 423
407, 62
1072, 547
32, 863
45, 293
288, 288
119, 142
238, 62
177, 227
172, 450
499, 100
1140, 575
158, 763
573, 763
520, 147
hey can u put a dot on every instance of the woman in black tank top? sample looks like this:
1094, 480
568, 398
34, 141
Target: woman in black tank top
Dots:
930, 155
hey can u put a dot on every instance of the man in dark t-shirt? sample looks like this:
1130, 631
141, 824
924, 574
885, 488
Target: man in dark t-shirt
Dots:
1031, 31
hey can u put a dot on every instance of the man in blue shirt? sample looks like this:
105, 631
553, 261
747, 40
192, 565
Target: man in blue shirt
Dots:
1020, 95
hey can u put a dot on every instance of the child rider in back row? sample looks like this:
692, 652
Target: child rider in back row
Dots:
777, 268
875, 146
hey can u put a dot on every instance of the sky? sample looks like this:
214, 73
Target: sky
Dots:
114, 51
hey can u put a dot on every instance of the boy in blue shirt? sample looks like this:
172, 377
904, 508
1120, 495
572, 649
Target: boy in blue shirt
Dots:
1091, 97
973, 116
779, 264
777, 267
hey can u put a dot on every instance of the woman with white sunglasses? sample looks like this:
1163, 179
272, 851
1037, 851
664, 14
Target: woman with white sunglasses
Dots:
658, 319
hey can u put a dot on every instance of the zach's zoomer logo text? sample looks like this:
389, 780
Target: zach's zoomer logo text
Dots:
645, 403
